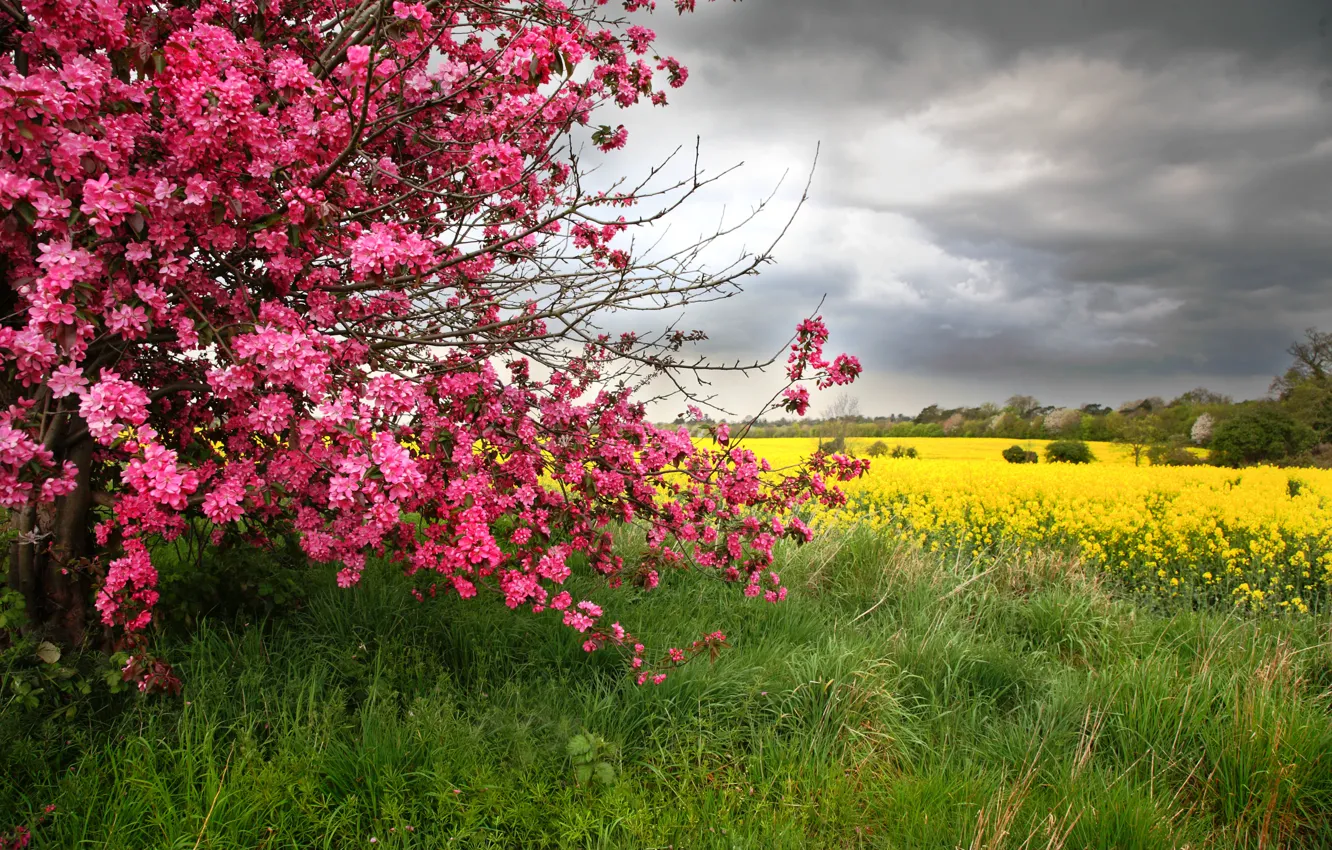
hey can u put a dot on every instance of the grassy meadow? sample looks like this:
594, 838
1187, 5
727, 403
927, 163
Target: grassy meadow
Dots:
898, 699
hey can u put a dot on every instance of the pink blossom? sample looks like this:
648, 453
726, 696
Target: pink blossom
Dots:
128, 322
577, 621
797, 400
158, 476
111, 405
127, 596
54, 488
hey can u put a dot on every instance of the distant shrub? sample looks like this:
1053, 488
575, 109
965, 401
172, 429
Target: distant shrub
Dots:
1172, 453
1319, 457
1017, 454
904, 451
836, 444
877, 449
1069, 451
1262, 433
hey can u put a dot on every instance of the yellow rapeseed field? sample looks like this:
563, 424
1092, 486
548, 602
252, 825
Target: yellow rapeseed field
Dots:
1259, 538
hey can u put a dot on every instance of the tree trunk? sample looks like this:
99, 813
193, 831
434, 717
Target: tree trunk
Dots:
49, 560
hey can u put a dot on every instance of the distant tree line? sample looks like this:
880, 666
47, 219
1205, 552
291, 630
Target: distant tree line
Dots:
1292, 426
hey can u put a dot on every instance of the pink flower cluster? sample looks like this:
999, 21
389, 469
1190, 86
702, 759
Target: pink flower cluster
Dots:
156, 475
111, 405
806, 354
130, 592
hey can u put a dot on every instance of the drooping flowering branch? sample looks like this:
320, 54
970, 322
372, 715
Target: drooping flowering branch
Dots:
292, 266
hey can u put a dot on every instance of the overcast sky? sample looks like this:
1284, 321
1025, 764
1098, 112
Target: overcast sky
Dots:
1083, 200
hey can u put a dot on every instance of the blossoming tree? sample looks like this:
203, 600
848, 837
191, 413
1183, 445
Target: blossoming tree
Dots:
331, 271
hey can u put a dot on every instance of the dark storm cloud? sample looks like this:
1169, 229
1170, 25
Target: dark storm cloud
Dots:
1032, 193
1258, 27
821, 56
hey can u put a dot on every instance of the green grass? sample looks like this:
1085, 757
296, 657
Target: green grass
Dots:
896, 700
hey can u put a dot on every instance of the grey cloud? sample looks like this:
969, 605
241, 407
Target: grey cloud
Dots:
1031, 194
764, 28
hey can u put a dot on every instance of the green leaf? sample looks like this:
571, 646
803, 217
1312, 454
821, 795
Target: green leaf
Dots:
582, 773
48, 652
26, 211
266, 221
605, 773
578, 745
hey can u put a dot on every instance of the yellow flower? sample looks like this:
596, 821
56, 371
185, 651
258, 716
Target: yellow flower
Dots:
1159, 528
